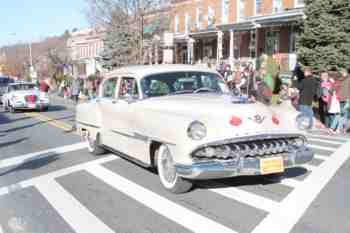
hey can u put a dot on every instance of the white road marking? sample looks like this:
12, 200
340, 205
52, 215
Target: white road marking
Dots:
336, 144
321, 157
66, 171
1, 231
290, 182
14, 161
309, 167
326, 148
330, 137
163, 206
296, 203
70, 209
247, 198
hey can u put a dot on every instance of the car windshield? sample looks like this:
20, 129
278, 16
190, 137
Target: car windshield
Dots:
21, 87
175, 83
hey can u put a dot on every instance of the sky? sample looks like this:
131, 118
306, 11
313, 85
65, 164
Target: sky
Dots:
33, 20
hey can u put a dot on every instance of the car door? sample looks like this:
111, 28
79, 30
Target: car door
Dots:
105, 105
130, 143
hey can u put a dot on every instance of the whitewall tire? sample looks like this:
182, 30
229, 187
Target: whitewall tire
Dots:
167, 172
93, 145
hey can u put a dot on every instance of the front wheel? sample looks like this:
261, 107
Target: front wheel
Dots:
94, 145
167, 172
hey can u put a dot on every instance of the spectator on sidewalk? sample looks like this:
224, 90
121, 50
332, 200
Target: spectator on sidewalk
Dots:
307, 92
76, 90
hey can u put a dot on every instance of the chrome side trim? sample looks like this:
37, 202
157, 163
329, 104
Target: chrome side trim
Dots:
142, 137
89, 125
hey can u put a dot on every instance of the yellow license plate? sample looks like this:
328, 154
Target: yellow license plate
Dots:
271, 165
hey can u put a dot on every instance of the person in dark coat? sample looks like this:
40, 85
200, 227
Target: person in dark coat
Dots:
308, 88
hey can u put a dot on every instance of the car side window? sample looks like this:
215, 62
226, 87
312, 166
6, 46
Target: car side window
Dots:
109, 88
128, 88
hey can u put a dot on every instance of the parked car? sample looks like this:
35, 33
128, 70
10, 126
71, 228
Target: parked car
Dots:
4, 82
183, 121
24, 95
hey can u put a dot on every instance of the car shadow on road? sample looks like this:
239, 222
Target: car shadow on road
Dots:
56, 108
250, 180
33, 163
5, 120
9, 143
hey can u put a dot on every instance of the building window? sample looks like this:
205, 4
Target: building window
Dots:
258, 7
225, 10
199, 18
272, 42
293, 42
187, 23
211, 17
241, 10
277, 6
252, 44
299, 3
177, 24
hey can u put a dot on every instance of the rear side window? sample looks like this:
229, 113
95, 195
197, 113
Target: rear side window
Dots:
109, 88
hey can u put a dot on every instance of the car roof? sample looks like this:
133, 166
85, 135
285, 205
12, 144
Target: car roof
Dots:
141, 71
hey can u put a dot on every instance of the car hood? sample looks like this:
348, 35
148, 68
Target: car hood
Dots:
217, 111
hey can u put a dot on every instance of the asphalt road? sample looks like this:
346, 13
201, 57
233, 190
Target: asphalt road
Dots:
49, 183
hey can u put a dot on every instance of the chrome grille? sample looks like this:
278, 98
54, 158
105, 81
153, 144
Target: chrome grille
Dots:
256, 148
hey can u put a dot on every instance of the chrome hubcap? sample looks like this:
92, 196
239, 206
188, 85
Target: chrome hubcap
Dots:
168, 167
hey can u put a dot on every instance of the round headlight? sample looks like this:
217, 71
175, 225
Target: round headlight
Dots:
299, 141
196, 130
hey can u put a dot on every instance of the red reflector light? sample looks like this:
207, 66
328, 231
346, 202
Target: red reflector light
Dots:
235, 121
275, 120
31, 98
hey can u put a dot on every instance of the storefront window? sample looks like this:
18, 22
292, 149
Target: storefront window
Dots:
258, 7
292, 44
272, 42
299, 2
252, 44
225, 10
277, 6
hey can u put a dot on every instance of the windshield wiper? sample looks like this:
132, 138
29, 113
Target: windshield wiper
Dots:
181, 92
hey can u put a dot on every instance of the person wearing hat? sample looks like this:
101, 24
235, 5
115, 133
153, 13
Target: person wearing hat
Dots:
308, 88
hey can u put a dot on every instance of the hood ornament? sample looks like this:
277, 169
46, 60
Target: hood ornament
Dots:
257, 118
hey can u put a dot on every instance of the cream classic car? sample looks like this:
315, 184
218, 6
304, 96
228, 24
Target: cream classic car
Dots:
181, 120
24, 95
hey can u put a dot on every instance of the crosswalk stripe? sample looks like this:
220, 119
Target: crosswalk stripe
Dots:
321, 157
70, 209
247, 198
326, 148
169, 209
66, 171
309, 167
336, 144
40, 155
330, 137
290, 182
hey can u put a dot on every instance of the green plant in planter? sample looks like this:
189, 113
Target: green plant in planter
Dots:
92, 77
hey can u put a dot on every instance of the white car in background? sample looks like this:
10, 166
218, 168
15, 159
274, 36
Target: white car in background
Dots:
24, 95
182, 120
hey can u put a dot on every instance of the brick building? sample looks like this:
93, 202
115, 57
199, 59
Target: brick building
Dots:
84, 47
235, 30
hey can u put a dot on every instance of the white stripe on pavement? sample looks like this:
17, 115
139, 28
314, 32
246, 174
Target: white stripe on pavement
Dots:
329, 137
247, 198
71, 210
309, 167
165, 207
292, 208
66, 171
326, 148
290, 182
336, 144
14, 161
321, 157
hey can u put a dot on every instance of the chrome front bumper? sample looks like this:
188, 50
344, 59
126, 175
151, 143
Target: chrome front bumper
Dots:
215, 169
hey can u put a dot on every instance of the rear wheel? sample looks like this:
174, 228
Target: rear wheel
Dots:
167, 172
94, 145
